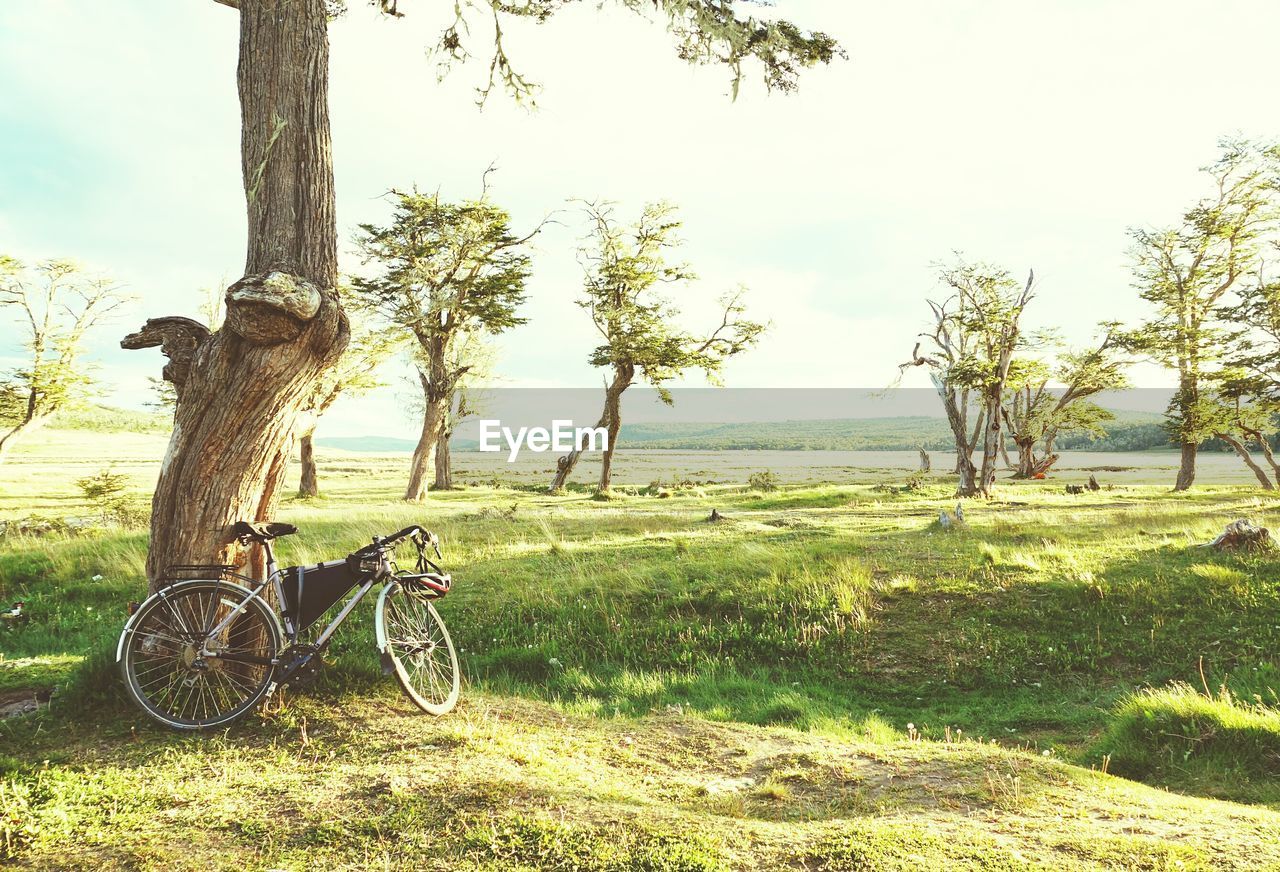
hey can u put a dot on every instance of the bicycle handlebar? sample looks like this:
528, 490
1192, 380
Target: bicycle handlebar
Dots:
381, 543
407, 531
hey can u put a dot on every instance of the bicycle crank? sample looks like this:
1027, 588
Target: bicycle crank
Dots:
300, 666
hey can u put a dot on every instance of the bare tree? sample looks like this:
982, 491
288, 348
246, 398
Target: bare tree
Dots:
57, 304
991, 314
951, 343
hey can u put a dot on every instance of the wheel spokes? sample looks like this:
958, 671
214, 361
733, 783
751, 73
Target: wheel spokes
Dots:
417, 640
174, 676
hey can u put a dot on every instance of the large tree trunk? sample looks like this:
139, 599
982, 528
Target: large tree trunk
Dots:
959, 433
309, 485
1030, 466
423, 464
240, 390
1243, 450
1004, 454
610, 420
1185, 401
444, 463
1187, 468
438, 384
612, 414
990, 446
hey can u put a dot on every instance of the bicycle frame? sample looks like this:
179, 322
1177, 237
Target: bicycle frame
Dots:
275, 579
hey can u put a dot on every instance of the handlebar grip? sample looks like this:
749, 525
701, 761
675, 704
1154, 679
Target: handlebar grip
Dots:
407, 531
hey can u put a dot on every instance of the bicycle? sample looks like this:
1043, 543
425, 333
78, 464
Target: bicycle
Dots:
203, 651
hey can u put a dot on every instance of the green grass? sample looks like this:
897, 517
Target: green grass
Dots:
830, 615
1215, 745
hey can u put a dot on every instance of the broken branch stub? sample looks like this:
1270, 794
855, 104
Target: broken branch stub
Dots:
178, 338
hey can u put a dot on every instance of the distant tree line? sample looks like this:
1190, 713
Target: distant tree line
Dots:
1214, 322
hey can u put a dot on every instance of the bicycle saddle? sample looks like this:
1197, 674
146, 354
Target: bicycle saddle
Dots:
263, 532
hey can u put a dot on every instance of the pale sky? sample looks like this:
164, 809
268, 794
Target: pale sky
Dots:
1028, 134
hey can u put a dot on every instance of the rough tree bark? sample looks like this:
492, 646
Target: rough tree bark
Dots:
1029, 465
309, 484
1187, 467
437, 393
444, 463
1243, 450
240, 390
613, 414
1187, 393
967, 486
611, 421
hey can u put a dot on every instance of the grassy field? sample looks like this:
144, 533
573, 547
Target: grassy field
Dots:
827, 679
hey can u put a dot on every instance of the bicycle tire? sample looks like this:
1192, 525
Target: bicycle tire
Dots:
412, 634
159, 661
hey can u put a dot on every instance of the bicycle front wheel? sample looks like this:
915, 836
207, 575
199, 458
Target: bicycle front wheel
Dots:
185, 675
412, 634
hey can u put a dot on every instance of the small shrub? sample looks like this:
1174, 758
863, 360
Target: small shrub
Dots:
106, 492
764, 481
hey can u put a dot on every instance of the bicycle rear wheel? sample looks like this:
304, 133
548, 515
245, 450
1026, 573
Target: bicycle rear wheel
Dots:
412, 634
165, 667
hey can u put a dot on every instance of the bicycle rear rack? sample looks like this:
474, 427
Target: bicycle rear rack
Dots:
189, 571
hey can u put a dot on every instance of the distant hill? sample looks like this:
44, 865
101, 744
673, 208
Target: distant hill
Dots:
1131, 431
108, 419
371, 444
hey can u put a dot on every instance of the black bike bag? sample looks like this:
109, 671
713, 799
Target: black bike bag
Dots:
310, 591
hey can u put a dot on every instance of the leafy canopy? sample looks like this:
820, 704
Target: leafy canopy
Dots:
445, 267
56, 304
625, 266
706, 32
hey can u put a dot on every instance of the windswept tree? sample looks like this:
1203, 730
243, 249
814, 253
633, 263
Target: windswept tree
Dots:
1043, 401
443, 271
992, 305
56, 304
1250, 382
241, 388
976, 331
355, 373
1187, 272
641, 337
